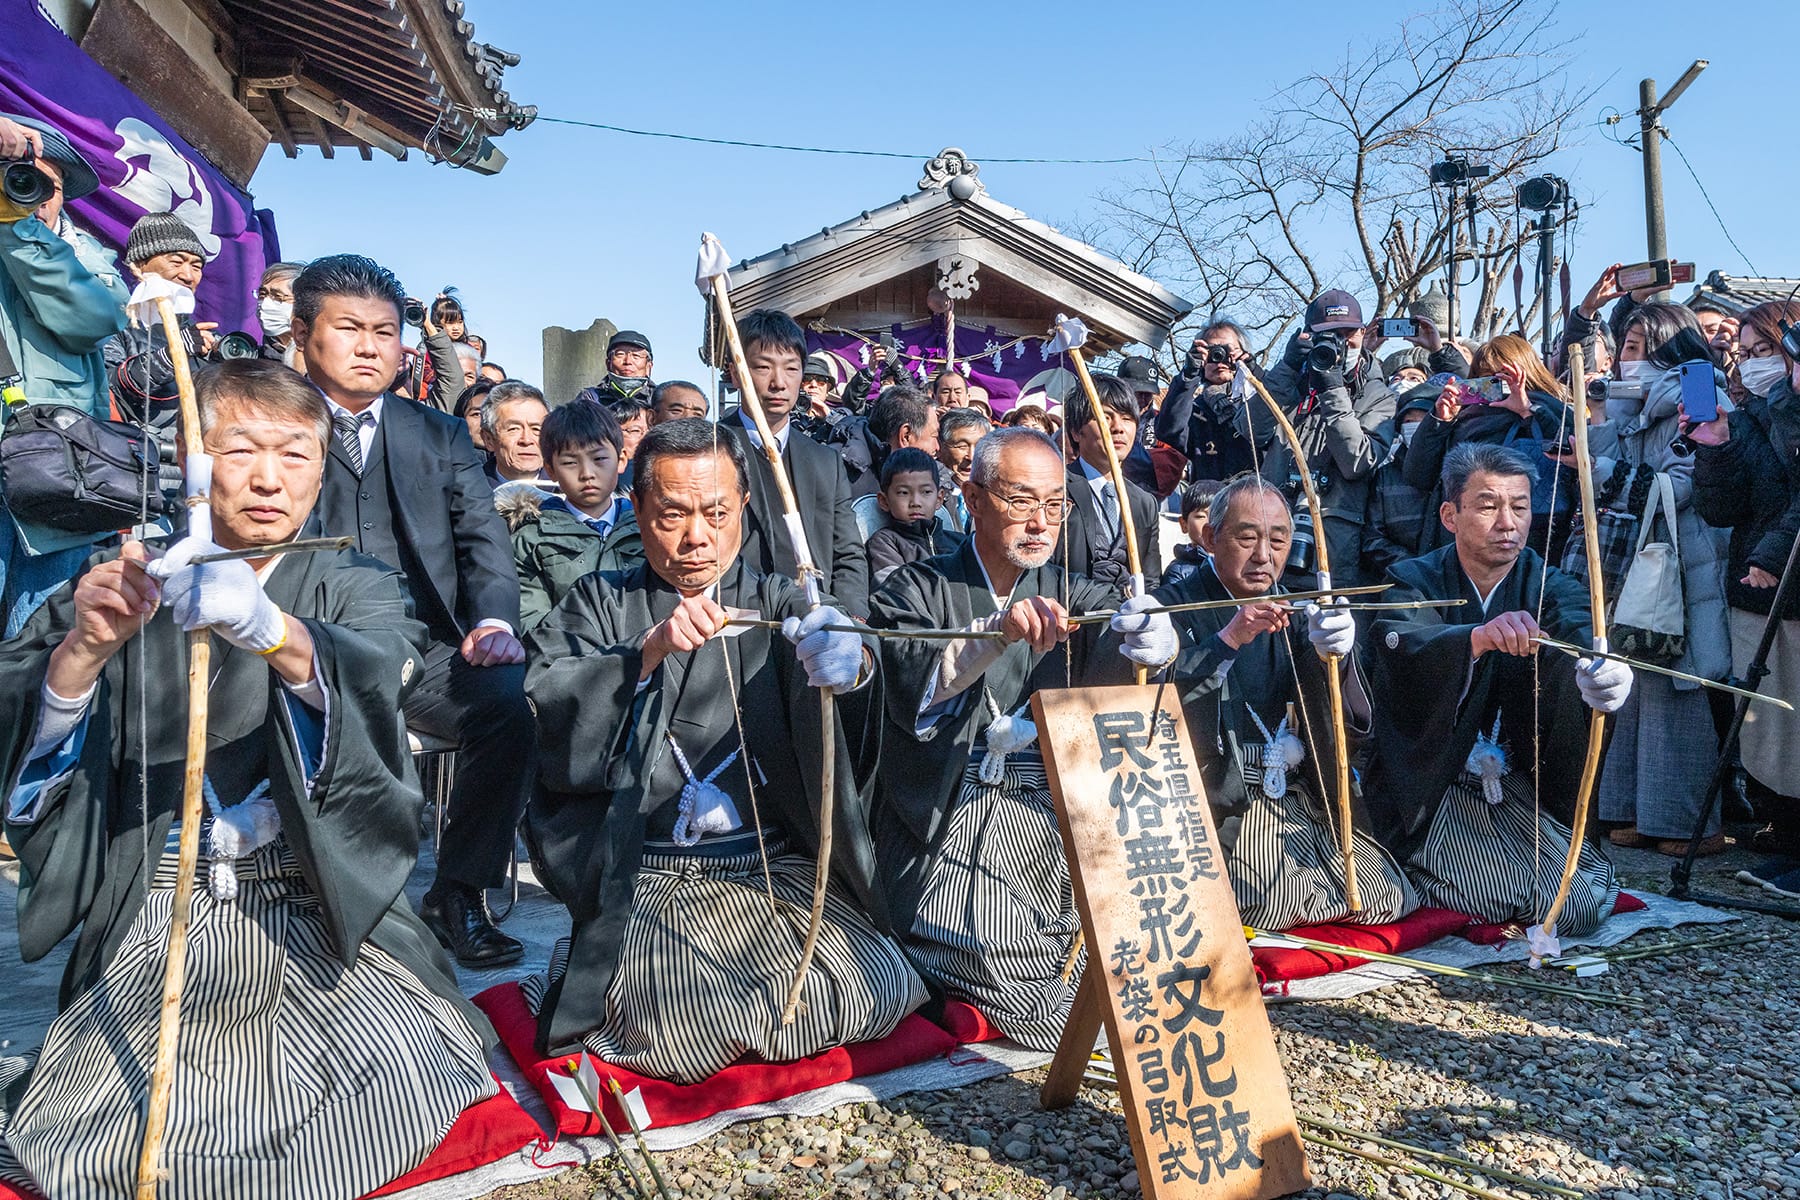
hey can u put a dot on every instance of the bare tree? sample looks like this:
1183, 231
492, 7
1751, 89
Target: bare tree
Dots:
1257, 224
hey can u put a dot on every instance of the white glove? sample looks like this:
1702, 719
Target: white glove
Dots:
1604, 684
225, 597
1150, 638
832, 660
1331, 630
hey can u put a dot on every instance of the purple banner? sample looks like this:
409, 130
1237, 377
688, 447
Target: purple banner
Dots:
144, 166
1006, 366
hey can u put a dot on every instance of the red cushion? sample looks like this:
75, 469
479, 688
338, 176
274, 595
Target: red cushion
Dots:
484, 1133
1493, 935
967, 1024
743, 1083
1410, 932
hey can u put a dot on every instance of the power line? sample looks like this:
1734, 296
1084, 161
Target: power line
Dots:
1675, 146
712, 141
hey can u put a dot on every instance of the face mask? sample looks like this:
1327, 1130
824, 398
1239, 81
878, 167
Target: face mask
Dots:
1760, 375
1352, 356
1407, 430
275, 316
1641, 371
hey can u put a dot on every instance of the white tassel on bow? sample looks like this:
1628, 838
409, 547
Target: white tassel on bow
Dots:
704, 807
237, 832
1005, 734
1487, 762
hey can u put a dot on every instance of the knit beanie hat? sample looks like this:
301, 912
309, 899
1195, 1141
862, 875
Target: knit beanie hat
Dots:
1412, 356
161, 233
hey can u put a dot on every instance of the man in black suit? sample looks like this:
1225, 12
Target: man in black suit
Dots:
1094, 529
775, 349
407, 483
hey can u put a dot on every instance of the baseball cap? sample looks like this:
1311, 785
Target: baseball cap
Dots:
1334, 310
629, 337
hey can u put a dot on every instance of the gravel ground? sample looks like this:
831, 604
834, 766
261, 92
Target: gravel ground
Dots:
1692, 1097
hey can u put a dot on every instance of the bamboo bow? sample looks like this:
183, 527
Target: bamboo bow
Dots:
1070, 335
1543, 936
1333, 683
199, 481
711, 275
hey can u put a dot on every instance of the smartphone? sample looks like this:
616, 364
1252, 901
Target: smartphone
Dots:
1699, 396
1483, 389
1662, 273
1399, 327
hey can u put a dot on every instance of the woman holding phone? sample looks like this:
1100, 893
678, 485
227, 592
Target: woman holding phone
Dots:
1746, 481
1665, 742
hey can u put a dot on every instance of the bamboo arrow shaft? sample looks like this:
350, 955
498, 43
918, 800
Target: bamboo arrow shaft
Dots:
1127, 525
168, 1032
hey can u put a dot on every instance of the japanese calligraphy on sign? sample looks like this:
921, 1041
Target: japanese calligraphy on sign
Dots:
1205, 1096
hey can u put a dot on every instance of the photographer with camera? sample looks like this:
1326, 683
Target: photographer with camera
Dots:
61, 298
1343, 411
1200, 417
883, 371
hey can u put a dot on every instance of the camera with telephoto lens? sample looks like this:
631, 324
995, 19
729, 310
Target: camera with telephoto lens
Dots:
413, 313
1599, 390
26, 185
236, 344
1327, 351
1300, 546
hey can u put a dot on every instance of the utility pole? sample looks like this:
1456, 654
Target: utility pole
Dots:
1650, 111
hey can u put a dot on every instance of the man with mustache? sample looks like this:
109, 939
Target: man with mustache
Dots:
972, 862
1478, 752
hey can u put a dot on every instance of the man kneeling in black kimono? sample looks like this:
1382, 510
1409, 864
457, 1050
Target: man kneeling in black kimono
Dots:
324, 1048
1479, 744
678, 794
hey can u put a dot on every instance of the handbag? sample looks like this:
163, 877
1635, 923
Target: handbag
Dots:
1650, 616
64, 469
1618, 529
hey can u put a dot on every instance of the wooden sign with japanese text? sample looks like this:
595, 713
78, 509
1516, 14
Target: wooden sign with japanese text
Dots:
1205, 1097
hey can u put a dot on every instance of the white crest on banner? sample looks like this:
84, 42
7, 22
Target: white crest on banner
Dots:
158, 179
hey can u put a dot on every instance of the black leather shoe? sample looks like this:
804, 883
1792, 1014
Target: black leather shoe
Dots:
458, 917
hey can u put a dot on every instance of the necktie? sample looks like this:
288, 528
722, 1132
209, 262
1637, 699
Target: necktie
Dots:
1109, 507
349, 433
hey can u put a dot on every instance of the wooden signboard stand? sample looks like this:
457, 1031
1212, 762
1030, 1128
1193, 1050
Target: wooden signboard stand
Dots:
1169, 975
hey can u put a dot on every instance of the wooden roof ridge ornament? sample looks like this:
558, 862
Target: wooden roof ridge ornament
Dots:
954, 172
710, 276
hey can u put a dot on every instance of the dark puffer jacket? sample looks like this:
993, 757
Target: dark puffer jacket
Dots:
1751, 486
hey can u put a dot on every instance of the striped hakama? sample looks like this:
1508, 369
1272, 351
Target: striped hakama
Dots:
996, 917
1502, 862
705, 966
296, 1077
1287, 868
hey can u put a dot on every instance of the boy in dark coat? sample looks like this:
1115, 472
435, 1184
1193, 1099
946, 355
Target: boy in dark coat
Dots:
909, 499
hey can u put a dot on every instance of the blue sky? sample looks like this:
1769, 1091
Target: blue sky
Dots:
584, 224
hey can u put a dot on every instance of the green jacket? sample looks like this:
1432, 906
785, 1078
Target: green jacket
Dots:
553, 548
59, 303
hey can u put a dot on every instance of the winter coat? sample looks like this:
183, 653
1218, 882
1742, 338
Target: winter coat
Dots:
553, 548
59, 303
1751, 486
1345, 430
1398, 512
1641, 432
1183, 564
897, 543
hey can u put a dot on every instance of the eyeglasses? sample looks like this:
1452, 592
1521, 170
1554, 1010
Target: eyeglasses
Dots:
1023, 508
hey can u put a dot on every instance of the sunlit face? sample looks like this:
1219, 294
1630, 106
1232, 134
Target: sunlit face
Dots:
1121, 430
176, 266
1710, 323
950, 391
1192, 524
1633, 348
352, 348
775, 372
1249, 542
266, 474
910, 496
1029, 479
629, 362
1490, 522
515, 441
1408, 377
634, 428
957, 450
679, 404
1217, 373
690, 511
816, 388
587, 475
452, 322
923, 437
